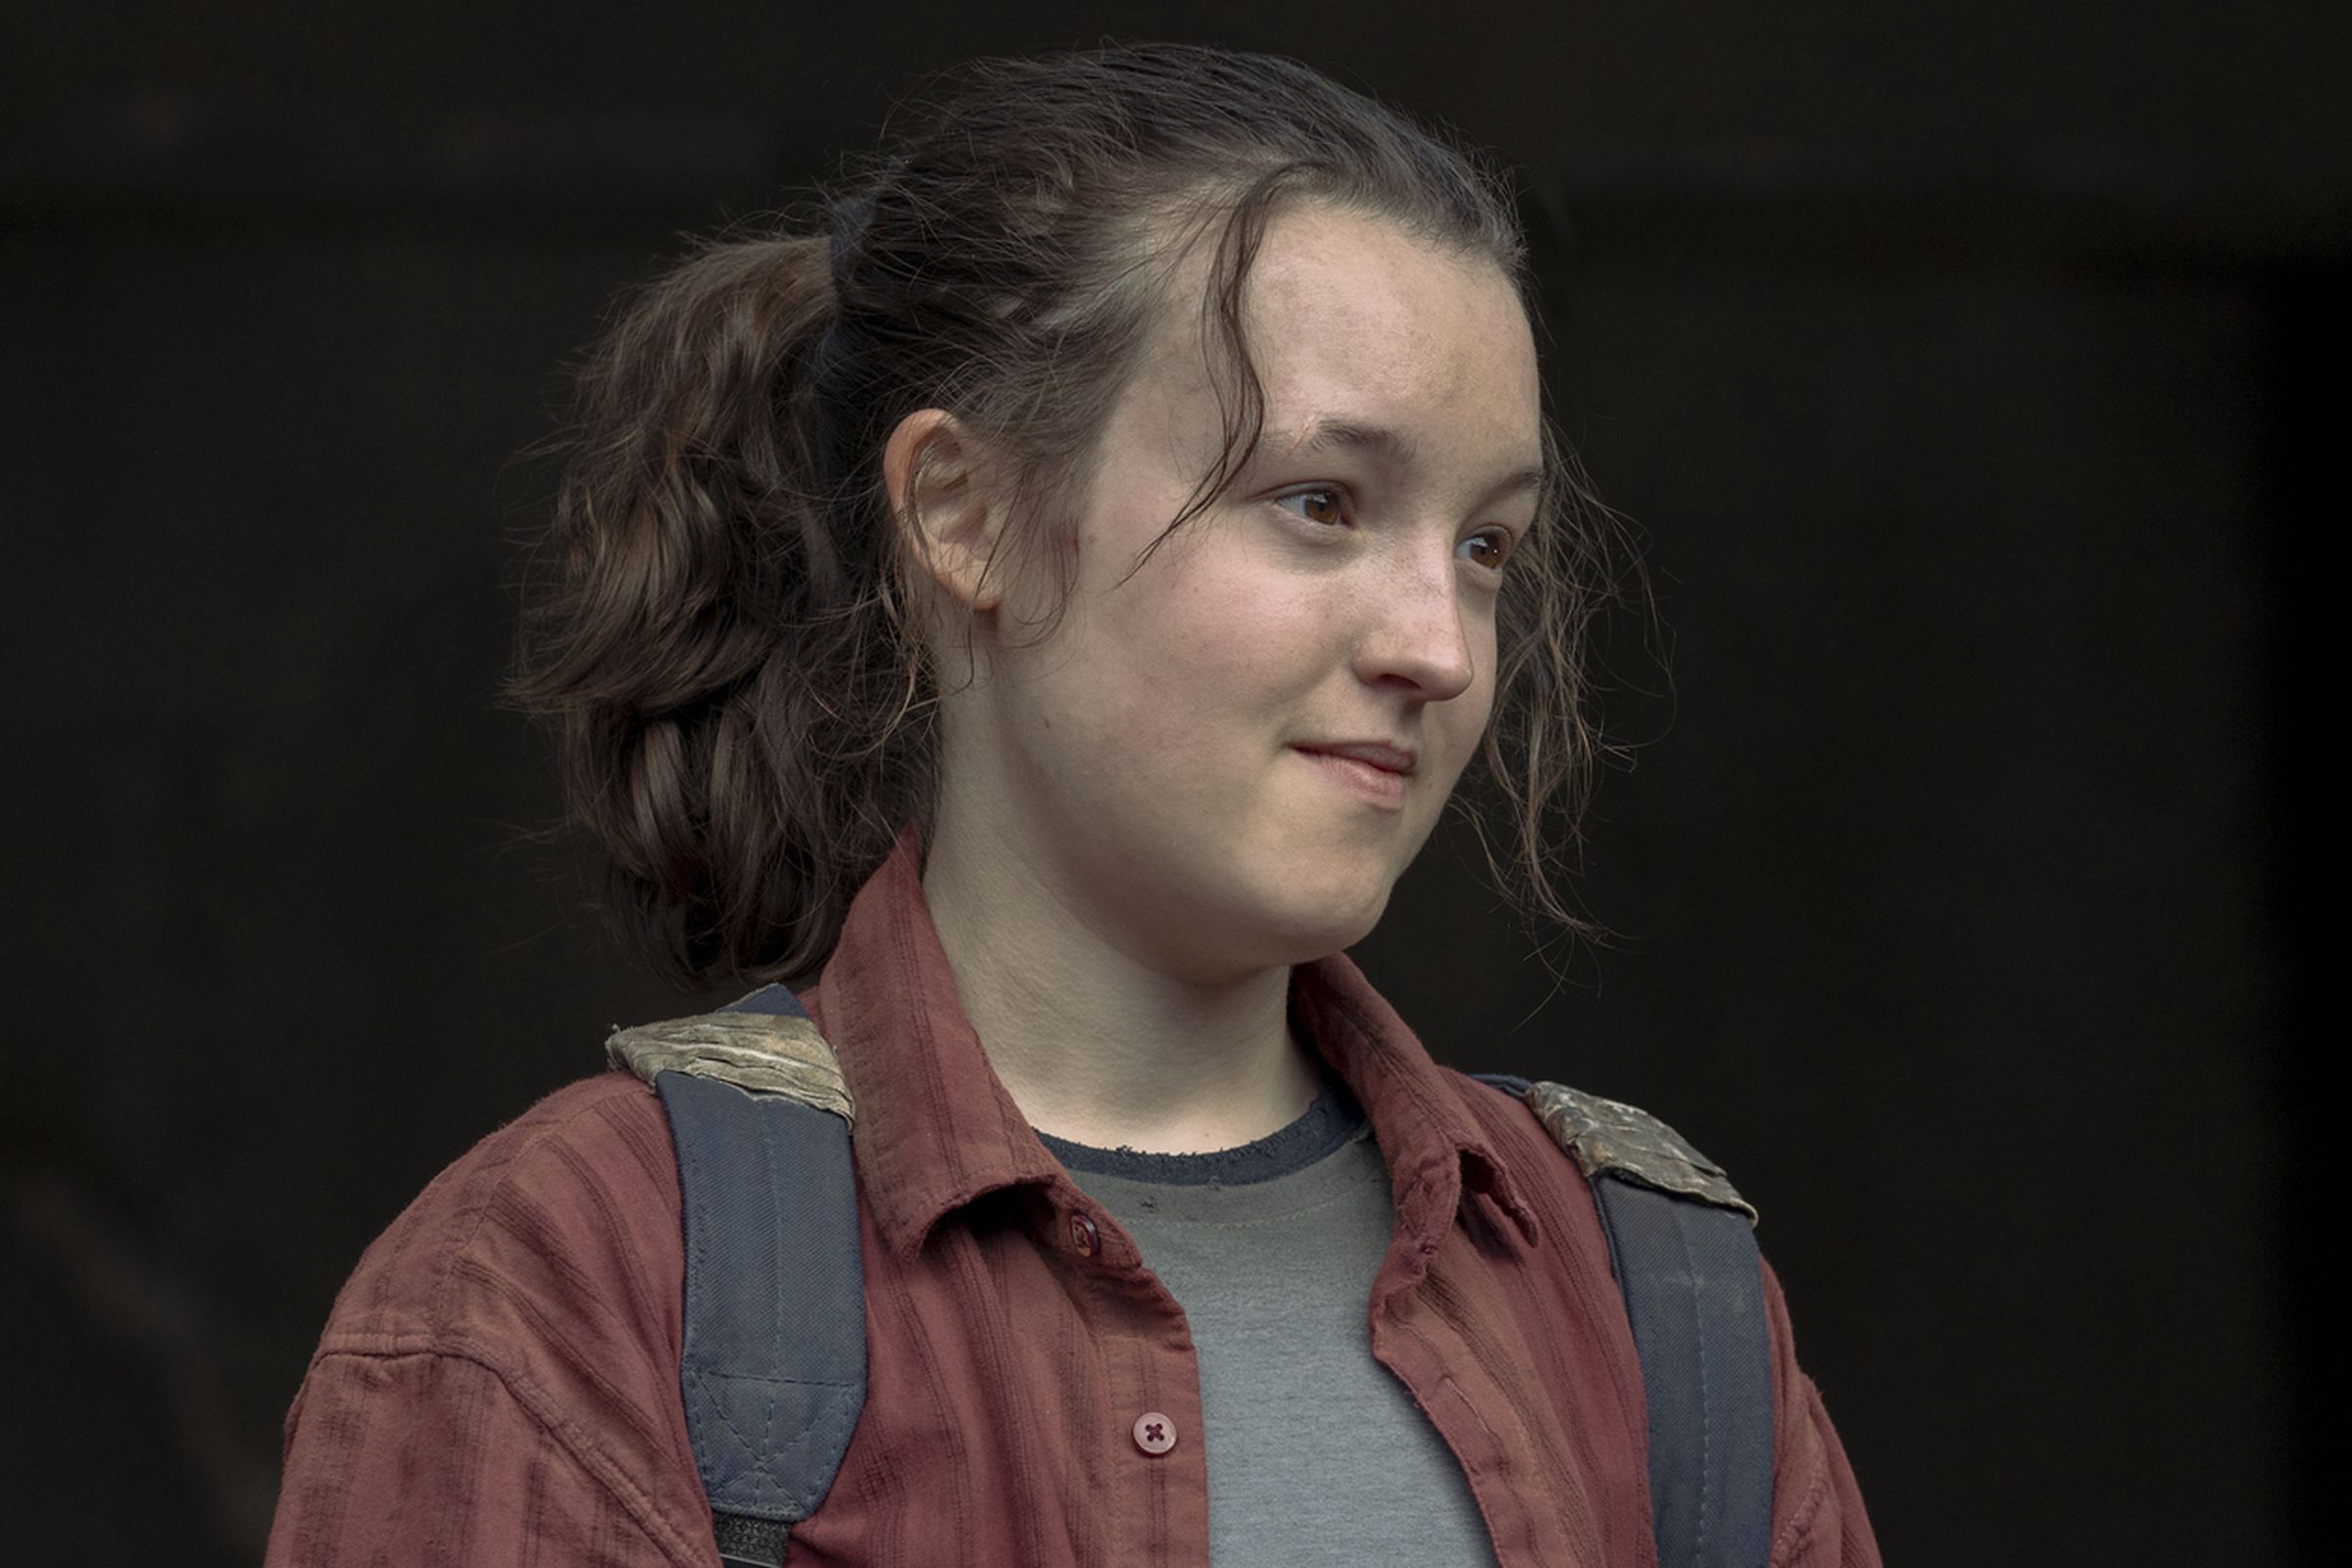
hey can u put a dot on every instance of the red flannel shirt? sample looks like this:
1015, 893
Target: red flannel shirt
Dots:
498, 1382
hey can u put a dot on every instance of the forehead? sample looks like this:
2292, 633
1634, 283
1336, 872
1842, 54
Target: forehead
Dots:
1351, 318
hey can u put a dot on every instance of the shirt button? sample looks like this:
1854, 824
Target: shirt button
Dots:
1082, 1234
1155, 1432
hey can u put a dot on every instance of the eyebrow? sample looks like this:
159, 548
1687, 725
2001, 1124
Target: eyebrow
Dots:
1395, 449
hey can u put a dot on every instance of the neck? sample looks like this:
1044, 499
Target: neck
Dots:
1095, 1043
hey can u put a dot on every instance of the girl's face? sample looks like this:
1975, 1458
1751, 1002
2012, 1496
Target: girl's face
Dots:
1152, 761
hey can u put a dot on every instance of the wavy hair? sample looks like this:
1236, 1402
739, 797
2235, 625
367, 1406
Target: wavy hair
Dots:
718, 624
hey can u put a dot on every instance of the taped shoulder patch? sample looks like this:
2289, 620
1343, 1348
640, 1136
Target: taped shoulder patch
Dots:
764, 1054
1609, 1135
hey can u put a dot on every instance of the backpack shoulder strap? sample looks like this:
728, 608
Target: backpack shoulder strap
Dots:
773, 1370
1683, 1246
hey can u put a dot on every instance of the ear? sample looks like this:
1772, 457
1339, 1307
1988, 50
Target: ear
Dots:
943, 486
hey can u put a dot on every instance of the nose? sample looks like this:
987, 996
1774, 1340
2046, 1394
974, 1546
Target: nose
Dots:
1414, 627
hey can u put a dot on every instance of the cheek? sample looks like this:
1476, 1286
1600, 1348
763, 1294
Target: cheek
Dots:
1216, 658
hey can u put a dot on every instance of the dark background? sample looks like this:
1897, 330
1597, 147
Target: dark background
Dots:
1974, 370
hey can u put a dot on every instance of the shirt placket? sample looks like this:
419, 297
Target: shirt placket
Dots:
1530, 1519
1148, 1419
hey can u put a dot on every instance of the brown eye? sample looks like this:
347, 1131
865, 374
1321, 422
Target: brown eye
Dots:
1318, 506
1498, 549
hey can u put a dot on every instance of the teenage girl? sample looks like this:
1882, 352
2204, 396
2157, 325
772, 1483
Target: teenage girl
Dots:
1037, 613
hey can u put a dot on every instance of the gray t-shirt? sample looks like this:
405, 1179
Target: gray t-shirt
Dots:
1317, 1454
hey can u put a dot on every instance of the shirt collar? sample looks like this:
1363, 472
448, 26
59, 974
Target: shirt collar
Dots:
936, 1129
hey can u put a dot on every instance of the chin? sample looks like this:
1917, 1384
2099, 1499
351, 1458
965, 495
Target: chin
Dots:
1309, 929
1292, 904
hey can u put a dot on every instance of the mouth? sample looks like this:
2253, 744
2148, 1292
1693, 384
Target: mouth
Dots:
1381, 753
1367, 781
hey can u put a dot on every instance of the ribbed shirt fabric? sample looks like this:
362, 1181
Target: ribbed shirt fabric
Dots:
498, 1382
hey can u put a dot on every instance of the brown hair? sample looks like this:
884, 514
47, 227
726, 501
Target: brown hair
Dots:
746, 708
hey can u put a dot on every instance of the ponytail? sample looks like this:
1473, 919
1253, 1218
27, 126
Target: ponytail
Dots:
698, 640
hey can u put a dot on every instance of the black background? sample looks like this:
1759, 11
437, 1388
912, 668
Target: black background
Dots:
1974, 370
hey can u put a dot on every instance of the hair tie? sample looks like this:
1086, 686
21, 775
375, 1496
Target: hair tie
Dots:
850, 215
830, 362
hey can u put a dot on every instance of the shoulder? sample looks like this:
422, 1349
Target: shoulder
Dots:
1817, 1516
562, 1224
502, 1367
1601, 1136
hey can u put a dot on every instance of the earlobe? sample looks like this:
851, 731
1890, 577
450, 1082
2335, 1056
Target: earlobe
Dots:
940, 490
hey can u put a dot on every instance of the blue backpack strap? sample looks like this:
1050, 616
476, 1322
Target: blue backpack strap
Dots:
773, 1370
1682, 1245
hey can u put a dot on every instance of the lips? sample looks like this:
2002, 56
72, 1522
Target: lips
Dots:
1380, 754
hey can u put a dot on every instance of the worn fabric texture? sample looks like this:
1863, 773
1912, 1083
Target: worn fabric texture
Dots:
498, 1382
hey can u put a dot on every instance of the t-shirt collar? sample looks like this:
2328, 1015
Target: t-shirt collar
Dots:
936, 1129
